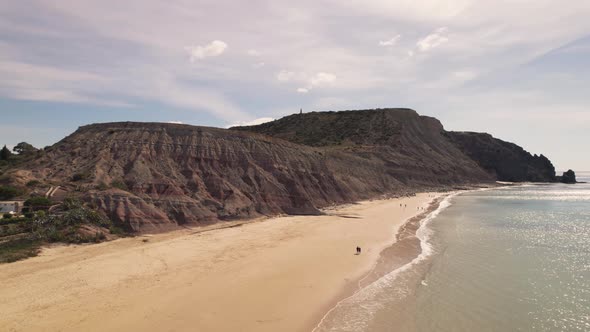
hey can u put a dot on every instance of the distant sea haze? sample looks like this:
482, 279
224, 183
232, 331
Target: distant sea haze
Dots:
509, 259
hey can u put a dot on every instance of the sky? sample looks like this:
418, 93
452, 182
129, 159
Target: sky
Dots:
517, 69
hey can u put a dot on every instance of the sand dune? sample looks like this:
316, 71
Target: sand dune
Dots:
280, 274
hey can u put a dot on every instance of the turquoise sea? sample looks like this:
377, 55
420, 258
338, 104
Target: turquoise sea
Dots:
504, 259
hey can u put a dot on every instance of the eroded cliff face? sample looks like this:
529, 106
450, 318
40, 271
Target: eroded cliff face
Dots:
175, 174
153, 176
505, 161
397, 142
412, 137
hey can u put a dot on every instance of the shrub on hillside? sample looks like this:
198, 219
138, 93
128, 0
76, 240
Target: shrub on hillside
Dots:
37, 203
8, 192
119, 185
71, 203
33, 183
65, 227
102, 186
80, 176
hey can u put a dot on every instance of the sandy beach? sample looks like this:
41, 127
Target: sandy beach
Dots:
281, 274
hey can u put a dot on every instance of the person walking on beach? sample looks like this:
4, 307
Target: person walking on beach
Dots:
358, 250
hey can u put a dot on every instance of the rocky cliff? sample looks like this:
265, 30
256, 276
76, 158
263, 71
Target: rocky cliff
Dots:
155, 176
505, 161
400, 130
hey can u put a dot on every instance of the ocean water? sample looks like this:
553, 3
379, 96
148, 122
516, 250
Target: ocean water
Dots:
506, 259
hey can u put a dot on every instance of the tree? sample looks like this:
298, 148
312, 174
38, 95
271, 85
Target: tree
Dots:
37, 203
24, 148
5, 153
8, 192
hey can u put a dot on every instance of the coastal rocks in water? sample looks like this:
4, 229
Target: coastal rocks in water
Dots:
568, 177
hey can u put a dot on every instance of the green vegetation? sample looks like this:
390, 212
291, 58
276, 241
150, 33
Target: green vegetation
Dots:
37, 203
5, 153
81, 176
119, 185
102, 186
33, 183
23, 153
12, 251
72, 222
71, 203
347, 128
65, 227
24, 148
8, 192
13, 220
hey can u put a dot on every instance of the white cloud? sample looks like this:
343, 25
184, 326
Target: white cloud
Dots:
318, 79
215, 48
404, 10
464, 75
321, 79
285, 76
258, 65
253, 52
390, 42
177, 93
252, 122
433, 40
27, 81
312, 37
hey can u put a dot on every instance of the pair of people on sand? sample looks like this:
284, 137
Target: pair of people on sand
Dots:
358, 250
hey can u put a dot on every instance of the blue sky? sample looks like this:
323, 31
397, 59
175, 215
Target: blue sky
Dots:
519, 70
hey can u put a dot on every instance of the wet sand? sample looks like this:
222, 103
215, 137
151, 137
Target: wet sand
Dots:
281, 274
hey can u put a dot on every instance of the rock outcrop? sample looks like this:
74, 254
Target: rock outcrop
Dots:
568, 177
505, 161
157, 176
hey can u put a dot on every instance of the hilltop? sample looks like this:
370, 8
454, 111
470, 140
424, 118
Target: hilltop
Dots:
403, 130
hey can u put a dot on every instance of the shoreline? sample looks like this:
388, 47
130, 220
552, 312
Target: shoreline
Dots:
401, 256
218, 279
404, 249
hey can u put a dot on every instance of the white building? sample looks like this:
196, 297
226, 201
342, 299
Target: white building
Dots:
11, 206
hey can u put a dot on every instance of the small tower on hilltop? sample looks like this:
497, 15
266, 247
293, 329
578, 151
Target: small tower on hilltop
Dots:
301, 111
